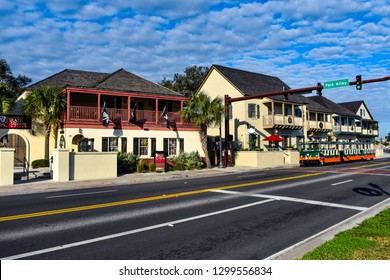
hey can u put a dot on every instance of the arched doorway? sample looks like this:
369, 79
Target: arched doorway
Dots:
75, 142
16, 142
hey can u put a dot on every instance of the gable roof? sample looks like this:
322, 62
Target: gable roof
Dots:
354, 106
333, 107
250, 83
120, 80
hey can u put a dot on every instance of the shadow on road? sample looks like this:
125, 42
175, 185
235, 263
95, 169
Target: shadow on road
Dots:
375, 190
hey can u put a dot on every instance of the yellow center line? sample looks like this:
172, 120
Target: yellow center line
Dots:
145, 199
370, 165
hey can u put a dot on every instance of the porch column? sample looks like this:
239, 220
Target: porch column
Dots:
181, 109
284, 119
67, 105
128, 108
273, 112
98, 108
156, 110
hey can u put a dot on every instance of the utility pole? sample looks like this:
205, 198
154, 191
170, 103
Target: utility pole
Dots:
318, 88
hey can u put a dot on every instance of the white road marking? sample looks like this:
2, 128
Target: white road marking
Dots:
343, 182
130, 232
76, 194
300, 200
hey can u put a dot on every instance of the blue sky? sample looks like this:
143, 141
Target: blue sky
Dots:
302, 42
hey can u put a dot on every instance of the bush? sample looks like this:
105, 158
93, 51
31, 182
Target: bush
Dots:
143, 166
152, 167
179, 166
187, 161
40, 163
127, 162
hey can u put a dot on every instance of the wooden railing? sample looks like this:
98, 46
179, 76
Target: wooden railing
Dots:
83, 113
92, 113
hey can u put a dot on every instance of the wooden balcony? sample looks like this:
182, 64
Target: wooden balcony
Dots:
319, 126
83, 113
283, 122
347, 129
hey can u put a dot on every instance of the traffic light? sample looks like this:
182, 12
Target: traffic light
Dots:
359, 82
319, 90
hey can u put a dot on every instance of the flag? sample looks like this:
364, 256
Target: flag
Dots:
105, 116
133, 117
164, 114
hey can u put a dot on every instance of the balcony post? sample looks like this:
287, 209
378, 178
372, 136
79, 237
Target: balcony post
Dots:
67, 105
128, 108
98, 108
156, 111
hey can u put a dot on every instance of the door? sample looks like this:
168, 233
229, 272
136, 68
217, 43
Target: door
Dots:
17, 142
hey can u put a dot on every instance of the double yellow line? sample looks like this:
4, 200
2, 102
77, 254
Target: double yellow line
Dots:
371, 165
145, 199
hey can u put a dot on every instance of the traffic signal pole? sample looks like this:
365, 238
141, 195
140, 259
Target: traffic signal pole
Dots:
228, 101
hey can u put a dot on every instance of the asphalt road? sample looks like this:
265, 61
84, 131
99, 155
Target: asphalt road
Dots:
250, 215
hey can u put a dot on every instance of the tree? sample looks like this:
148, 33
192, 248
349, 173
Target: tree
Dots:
6, 99
15, 84
188, 83
204, 112
10, 87
46, 105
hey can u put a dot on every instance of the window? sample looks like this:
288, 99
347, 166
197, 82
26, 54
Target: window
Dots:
181, 143
140, 146
109, 144
124, 145
251, 110
170, 146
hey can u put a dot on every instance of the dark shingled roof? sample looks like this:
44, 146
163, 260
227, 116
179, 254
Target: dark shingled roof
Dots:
250, 83
120, 80
333, 107
354, 106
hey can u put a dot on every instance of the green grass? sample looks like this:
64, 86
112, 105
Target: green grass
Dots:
368, 241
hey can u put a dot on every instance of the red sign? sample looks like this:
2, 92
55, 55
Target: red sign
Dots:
160, 157
15, 122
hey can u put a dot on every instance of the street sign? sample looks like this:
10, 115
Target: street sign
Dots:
337, 83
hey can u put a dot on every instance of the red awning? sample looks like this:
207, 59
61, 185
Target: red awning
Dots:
273, 138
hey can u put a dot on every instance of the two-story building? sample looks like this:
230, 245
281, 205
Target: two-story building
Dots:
135, 107
365, 121
256, 119
346, 125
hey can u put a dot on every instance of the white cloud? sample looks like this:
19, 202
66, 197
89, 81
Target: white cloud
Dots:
300, 41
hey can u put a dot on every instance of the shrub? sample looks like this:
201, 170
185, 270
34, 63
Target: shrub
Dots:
152, 167
179, 166
40, 163
127, 162
186, 161
143, 166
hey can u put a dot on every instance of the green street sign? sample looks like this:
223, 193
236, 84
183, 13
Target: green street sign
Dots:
337, 83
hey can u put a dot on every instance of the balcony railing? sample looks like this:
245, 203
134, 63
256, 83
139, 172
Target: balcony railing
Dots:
320, 125
92, 113
369, 132
347, 129
83, 113
282, 120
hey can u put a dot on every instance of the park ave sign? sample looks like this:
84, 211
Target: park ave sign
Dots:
337, 83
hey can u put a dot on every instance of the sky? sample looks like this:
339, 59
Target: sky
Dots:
300, 41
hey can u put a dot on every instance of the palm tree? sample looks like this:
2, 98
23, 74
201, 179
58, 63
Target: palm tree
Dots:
204, 113
47, 105
6, 99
